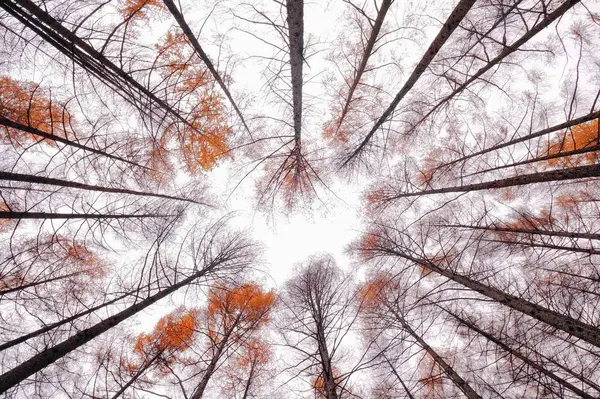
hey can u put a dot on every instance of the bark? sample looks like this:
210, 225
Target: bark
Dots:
565, 154
82, 186
208, 373
578, 172
81, 52
295, 22
561, 322
553, 16
249, 380
196, 45
589, 251
24, 285
137, 375
522, 357
460, 383
50, 355
457, 15
566, 234
539, 133
410, 396
62, 322
48, 215
385, 6
15, 125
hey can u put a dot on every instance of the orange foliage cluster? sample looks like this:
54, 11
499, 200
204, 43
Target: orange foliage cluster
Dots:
134, 8
204, 143
72, 261
172, 52
572, 200
255, 352
431, 378
584, 135
247, 305
22, 103
173, 333
86, 261
373, 292
333, 132
368, 245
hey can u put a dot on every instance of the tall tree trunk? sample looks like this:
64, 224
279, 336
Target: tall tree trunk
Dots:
383, 9
249, 380
578, 172
82, 186
52, 326
47, 215
567, 324
71, 45
460, 383
565, 154
295, 22
212, 366
50, 355
565, 125
532, 244
548, 19
457, 15
190, 35
521, 357
566, 234
28, 129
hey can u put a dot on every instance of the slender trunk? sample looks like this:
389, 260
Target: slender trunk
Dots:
553, 16
137, 375
249, 380
561, 322
589, 251
457, 15
578, 172
295, 22
410, 396
190, 35
522, 357
28, 129
52, 326
328, 377
565, 154
47, 215
208, 373
566, 234
461, 384
50, 355
82, 186
36, 283
385, 6
539, 133
80, 52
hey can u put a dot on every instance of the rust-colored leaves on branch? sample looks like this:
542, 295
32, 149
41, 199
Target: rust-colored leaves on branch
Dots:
27, 104
247, 305
173, 332
138, 8
580, 137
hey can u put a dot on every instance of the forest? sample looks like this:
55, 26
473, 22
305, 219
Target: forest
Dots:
280, 199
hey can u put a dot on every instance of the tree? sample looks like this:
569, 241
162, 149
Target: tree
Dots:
317, 315
214, 255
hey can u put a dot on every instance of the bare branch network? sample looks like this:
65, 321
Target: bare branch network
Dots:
462, 139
